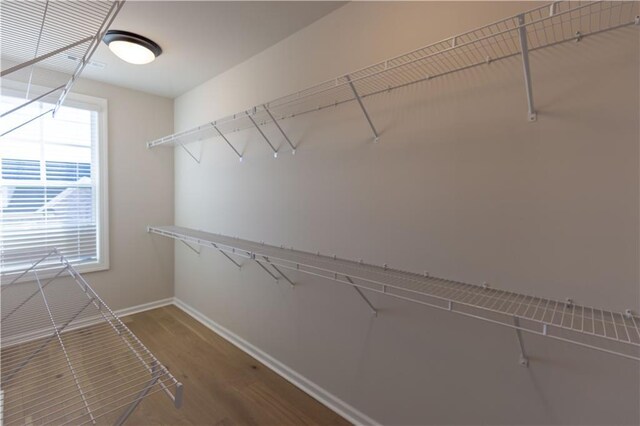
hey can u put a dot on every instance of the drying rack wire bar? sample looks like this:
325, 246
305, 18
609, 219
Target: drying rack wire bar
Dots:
543, 27
612, 332
66, 357
57, 35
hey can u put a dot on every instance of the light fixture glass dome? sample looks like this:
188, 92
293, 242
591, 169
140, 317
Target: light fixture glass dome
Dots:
132, 48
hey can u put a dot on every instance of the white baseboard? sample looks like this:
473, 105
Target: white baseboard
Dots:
144, 307
298, 380
84, 322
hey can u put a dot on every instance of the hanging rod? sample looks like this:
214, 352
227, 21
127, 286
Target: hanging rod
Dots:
519, 35
611, 332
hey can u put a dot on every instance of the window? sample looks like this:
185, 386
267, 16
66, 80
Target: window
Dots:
53, 184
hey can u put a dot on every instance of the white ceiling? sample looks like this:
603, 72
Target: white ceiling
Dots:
200, 39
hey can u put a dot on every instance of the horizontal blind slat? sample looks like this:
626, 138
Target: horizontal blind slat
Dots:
47, 192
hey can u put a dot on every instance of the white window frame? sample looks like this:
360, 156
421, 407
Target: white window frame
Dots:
100, 105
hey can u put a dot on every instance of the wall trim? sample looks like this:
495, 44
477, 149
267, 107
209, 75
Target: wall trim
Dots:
320, 394
144, 307
85, 322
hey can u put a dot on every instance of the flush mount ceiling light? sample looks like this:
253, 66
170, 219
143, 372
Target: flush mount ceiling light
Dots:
132, 48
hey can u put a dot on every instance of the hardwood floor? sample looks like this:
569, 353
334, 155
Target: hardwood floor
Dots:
222, 384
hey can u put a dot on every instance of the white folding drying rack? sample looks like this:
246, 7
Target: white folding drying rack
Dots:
56, 35
66, 357
519, 35
616, 333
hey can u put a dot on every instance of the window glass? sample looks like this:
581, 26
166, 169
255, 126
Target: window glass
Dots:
50, 187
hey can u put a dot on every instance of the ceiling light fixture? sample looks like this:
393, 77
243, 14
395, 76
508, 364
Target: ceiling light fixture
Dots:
132, 48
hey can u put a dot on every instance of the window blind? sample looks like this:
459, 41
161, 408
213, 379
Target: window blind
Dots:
48, 191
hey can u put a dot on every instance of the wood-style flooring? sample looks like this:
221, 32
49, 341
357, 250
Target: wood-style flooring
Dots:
222, 384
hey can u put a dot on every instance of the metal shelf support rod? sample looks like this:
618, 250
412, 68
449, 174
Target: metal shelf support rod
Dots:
226, 255
227, 141
279, 128
524, 360
524, 48
364, 110
374, 311
190, 246
279, 271
275, 151
265, 269
190, 153
43, 57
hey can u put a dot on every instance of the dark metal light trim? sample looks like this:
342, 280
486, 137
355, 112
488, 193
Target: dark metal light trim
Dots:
117, 35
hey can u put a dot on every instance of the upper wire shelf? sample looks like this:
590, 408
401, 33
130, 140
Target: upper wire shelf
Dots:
66, 357
612, 332
518, 35
56, 35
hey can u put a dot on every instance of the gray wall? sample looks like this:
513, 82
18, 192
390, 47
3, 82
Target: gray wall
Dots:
140, 192
460, 185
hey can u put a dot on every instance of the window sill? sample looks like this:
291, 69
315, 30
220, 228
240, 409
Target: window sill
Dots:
47, 274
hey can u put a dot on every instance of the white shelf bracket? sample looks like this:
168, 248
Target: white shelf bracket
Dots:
197, 160
226, 255
486, 303
190, 247
374, 311
291, 283
265, 268
293, 148
275, 151
524, 360
524, 48
227, 141
364, 110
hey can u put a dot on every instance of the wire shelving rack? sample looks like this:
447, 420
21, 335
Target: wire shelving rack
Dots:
616, 333
543, 27
56, 35
66, 357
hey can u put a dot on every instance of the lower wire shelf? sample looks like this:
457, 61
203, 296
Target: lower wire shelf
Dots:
607, 331
66, 357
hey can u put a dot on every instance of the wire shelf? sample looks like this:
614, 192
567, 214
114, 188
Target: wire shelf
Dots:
545, 26
67, 358
611, 332
56, 35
